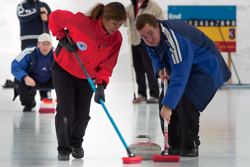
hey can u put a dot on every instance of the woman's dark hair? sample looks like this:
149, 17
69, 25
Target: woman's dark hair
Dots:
144, 19
114, 10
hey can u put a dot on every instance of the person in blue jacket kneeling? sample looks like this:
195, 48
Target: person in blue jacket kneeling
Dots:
32, 71
196, 70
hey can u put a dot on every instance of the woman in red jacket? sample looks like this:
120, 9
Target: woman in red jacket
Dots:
97, 42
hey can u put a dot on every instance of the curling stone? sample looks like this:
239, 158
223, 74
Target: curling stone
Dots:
145, 149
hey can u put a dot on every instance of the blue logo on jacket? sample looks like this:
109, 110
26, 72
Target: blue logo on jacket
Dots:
82, 46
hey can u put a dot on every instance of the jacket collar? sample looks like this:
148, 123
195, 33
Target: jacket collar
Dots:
145, 4
135, 1
103, 31
41, 55
162, 41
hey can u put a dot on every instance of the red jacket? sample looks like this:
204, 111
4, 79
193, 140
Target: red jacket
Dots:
100, 52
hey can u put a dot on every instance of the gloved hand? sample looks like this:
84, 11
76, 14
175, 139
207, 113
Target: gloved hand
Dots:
99, 93
66, 44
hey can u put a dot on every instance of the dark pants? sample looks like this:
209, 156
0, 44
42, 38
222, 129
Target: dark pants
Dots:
184, 124
23, 46
73, 105
27, 93
143, 64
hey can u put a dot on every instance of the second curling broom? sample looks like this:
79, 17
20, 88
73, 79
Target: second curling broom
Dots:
166, 157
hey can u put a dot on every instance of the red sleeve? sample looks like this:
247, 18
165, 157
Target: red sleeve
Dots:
107, 65
58, 20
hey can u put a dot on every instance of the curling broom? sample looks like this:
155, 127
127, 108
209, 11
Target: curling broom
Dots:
166, 157
126, 160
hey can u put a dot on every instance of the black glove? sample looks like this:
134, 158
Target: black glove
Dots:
67, 45
99, 93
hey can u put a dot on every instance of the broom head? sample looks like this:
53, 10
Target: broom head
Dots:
47, 110
131, 160
166, 158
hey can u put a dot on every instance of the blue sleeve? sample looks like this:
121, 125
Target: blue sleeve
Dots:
155, 60
20, 64
26, 14
181, 60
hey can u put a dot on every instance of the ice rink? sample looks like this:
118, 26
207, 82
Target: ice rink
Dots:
29, 139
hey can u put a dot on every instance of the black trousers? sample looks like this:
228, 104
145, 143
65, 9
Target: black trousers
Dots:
184, 124
143, 64
25, 45
73, 105
27, 93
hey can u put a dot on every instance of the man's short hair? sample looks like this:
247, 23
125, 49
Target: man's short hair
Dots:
144, 19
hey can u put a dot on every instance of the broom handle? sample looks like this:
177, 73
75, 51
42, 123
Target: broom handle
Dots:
100, 100
165, 121
131, 57
165, 137
165, 82
44, 29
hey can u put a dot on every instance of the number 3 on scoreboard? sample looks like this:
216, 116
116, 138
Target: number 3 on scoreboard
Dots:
232, 33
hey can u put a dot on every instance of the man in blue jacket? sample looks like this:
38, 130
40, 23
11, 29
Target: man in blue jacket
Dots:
196, 70
32, 71
33, 16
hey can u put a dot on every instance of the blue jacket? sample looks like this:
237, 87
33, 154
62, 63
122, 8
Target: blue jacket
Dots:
26, 64
31, 25
195, 65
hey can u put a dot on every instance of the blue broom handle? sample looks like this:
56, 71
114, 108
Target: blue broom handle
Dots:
100, 100
113, 123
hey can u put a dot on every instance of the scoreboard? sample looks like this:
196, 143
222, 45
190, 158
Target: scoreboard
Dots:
217, 22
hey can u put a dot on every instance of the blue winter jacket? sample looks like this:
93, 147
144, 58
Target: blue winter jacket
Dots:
26, 64
31, 25
195, 65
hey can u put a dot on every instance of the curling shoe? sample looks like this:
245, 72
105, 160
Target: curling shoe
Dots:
190, 152
63, 157
77, 152
29, 107
173, 150
140, 99
152, 100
